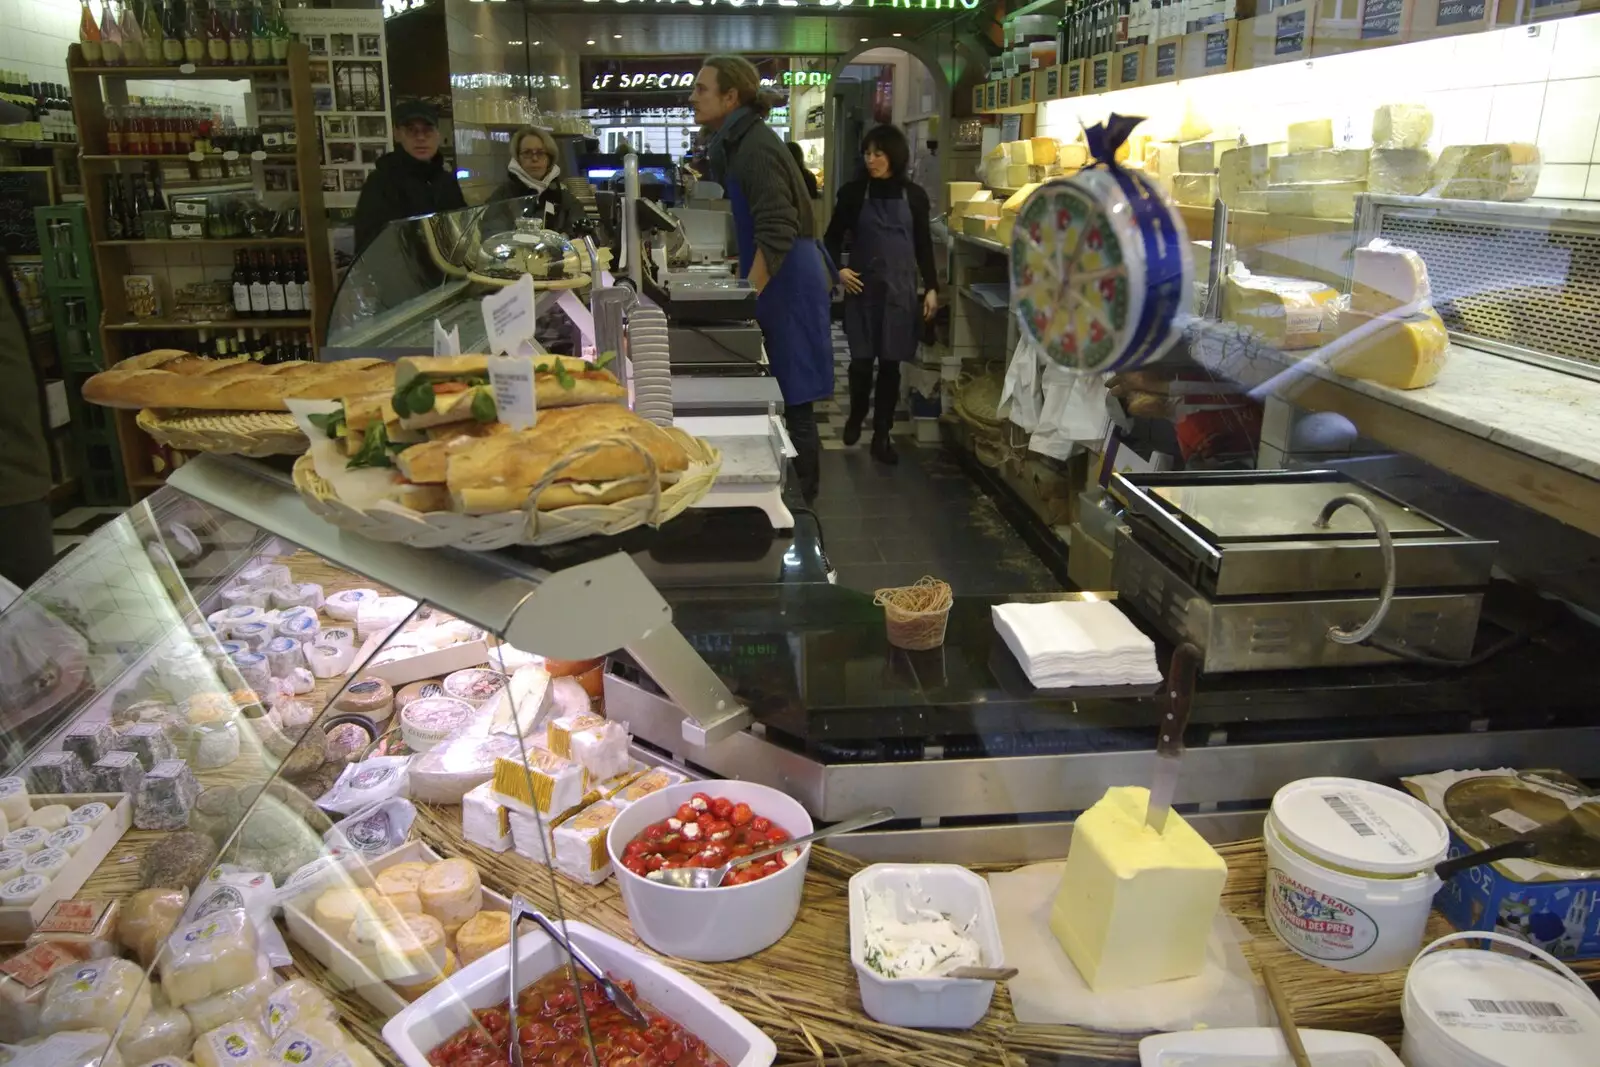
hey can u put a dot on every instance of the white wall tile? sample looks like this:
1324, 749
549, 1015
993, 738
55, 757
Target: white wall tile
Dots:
1577, 50
1569, 119
1514, 113
1475, 61
1565, 181
1592, 190
1460, 116
1525, 53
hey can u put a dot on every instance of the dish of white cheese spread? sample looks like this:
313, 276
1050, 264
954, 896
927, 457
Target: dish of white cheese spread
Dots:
926, 945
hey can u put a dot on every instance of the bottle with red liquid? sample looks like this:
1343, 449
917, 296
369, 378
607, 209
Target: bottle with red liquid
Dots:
133, 131
114, 128
202, 131
185, 127
169, 131
89, 36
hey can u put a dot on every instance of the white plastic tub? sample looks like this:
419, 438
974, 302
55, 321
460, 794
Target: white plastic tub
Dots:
1261, 1046
423, 1026
1350, 876
926, 1003
1467, 1007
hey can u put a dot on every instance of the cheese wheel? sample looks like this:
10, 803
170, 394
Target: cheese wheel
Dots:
369, 696
47, 862
400, 948
401, 878
415, 990
430, 720
29, 839
14, 799
11, 861
451, 891
91, 815
336, 909
482, 934
49, 818
428, 687
68, 839
23, 890
345, 604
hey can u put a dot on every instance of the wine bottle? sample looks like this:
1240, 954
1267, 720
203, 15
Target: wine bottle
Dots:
305, 281
154, 34
278, 27
172, 33
194, 33
258, 287
238, 36
260, 35
293, 295
241, 285
216, 36
110, 35
114, 230
132, 35
89, 35
277, 302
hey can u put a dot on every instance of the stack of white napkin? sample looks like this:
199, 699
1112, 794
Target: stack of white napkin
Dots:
1066, 643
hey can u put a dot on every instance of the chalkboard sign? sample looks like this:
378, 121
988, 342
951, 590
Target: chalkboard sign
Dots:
1381, 19
1005, 94
1167, 57
1101, 74
1052, 83
1075, 79
1457, 12
977, 98
1130, 67
1025, 89
992, 95
22, 190
1289, 37
1217, 50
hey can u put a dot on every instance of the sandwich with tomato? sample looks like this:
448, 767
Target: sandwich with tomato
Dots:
440, 390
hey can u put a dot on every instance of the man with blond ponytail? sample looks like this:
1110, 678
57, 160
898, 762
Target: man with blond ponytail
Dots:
778, 251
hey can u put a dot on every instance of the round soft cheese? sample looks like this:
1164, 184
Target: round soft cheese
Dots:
14, 800
414, 991
344, 604
369, 696
336, 909
328, 661
474, 685
300, 625
208, 707
482, 934
69, 838
244, 596
49, 818
428, 687
46, 862
338, 637
430, 720
253, 634
11, 861
306, 595
29, 839
451, 891
91, 814
266, 576
23, 890
401, 878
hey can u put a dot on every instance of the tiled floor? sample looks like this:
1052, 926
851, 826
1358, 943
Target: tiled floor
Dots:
886, 526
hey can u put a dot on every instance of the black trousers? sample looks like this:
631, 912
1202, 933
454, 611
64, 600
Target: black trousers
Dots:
883, 398
801, 422
29, 546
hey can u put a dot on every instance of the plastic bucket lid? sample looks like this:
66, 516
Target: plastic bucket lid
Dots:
1480, 1008
1360, 826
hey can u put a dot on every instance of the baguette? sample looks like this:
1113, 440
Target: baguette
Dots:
426, 463
171, 379
559, 495
568, 382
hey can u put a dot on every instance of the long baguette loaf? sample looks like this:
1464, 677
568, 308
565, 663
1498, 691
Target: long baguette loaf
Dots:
173, 379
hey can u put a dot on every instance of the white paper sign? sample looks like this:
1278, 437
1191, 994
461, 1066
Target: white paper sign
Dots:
508, 316
511, 377
446, 344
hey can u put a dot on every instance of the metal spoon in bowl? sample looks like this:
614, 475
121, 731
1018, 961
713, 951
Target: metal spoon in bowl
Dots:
711, 877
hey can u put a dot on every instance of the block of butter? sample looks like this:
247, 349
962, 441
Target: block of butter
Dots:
1135, 907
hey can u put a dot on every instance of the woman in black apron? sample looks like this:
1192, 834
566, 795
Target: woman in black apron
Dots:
886, 216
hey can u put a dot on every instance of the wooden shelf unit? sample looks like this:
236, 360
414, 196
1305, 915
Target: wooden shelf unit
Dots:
93, 87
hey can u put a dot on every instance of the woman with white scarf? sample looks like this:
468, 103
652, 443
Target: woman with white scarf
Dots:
534, 172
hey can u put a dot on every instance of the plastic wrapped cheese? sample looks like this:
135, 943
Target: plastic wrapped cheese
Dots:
294, 1004
1286, 312
236, 1044
296, 1048
305, 595
268, 576
92, 992
363, 784
245, 1001
147, 918
85, 928
579, 850
210, 955
376, 829
451, 891
71, 1048
447, 772
164, 1032
24, 980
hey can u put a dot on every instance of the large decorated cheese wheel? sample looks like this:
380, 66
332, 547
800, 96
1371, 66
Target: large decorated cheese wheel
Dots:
1099, 270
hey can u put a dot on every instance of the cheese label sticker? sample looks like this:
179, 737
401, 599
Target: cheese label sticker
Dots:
1514, 820
221, 899
32, 967
1511, 1016
1365, 822
512, 380
1315, 924
369, 686
73, 917
86, 978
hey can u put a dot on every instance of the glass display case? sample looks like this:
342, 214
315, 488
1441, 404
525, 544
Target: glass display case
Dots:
255, 797
437, 268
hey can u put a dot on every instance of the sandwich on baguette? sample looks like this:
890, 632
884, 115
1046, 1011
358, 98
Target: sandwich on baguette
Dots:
483, 475
442, 390
169, 378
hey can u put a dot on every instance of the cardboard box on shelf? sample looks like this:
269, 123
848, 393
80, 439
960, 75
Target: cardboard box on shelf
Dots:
1161, 60
1280, 36
1209, 51
1353, 25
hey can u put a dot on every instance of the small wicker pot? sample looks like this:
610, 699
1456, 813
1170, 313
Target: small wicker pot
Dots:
237, 433
438, 529
915, 615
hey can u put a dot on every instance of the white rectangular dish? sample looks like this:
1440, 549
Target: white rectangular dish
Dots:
927, 1003
435, 663
18, 922
438, 1014
342, 964
1262, 1046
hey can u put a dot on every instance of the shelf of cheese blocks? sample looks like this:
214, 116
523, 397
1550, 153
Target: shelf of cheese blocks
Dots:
333, 947
1011, 165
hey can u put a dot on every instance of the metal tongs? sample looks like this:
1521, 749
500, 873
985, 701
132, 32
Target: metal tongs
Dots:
520, 909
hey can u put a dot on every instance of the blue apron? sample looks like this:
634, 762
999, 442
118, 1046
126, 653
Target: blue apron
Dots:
793, 310
884, 320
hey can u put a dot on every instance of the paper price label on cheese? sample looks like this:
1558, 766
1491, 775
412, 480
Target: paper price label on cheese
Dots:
509, 316
511, 377
446, 344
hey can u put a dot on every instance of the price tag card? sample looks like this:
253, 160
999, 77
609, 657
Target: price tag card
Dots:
511, 378
230, 155
186, 68
446, 344
508, 316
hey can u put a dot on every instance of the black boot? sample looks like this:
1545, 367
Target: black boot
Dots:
883, 451
883, 405
801, 423
860, 393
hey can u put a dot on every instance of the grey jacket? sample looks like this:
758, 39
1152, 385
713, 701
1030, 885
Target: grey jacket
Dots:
780, 207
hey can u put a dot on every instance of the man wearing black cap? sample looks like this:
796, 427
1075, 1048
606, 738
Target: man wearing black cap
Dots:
411, 180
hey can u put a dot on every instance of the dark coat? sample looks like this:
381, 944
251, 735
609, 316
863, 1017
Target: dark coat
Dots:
24, 453
401, 187
568, 211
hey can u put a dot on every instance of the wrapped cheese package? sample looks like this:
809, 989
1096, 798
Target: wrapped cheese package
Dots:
244, 1001
296, 1003
147, 918
447, 772
580, 844
546, 783
210, 955
71, 1048
85, 928
24, 980
484, 820
236, 1044
85, 995
164, 1032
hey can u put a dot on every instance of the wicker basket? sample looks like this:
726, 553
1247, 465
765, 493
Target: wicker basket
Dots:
241, 433
529, 526
915, 615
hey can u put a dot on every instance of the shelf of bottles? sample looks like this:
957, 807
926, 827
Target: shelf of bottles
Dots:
49, 112
193, 38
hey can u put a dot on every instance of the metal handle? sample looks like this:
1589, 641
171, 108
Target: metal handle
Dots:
518, 907
1385, 547
855, 822
577, 954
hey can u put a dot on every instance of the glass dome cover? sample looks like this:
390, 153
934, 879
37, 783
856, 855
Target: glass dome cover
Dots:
527, 249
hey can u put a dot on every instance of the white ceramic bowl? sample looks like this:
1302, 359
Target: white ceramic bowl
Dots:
927, 1003
710, 925
445, 1009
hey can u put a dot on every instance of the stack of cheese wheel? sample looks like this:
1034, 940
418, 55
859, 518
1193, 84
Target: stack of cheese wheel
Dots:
1100, 270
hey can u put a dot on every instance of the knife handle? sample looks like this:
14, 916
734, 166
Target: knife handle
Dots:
1181, 675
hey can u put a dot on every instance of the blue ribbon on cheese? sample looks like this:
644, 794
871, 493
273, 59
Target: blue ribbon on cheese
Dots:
1163, 236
